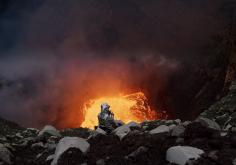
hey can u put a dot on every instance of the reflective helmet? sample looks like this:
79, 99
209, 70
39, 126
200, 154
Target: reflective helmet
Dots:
105, 107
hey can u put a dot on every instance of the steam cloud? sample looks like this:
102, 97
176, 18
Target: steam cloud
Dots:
66, 52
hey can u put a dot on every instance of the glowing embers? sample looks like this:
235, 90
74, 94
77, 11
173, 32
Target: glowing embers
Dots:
133, 107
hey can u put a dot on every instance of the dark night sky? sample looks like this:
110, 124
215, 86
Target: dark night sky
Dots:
166, 26
152, 40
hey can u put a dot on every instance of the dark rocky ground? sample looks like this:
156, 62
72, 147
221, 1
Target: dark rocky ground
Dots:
137, 147
214, 132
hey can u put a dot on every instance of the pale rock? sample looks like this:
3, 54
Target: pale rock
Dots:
186, 123
39, 144
178, 121
181, 154
223, 134
160, 129
122, 131
169, 121
228, 127
100, 131
50, 130
39, 155
32, 129
172, 126
50, 157
19, 135
67, 143
209, 123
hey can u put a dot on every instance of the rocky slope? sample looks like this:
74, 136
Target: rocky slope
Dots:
224, 111
210, 140
152, 142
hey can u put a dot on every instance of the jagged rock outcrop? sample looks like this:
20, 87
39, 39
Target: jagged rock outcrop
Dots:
223, 112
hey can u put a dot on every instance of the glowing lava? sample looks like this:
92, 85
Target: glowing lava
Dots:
133, 107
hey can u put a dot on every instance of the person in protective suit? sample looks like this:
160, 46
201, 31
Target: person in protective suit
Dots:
106, 119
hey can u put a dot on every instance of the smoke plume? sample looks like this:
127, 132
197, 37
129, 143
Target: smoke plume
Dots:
55, 55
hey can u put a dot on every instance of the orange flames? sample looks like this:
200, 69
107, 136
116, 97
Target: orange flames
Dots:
133, 107
84, 89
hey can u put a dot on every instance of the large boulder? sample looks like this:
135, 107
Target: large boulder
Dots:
181, 154
209, 123
160, 129
96, 132
50, 130
100, 131
122, 131
67, 143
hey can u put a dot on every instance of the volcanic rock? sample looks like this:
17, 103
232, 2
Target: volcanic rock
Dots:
97, 132
67, 143
197, 130
186, 123
122, 131
72, 156
137, 152
100, 131
133, 124
100, 162
160, 129
209, 123
181, 154
234, 162
76, 132
178, 121
37, 145
119, 123
9, 128
30, 132
172, 126
178, 131
50, 130
5, 154
224, 110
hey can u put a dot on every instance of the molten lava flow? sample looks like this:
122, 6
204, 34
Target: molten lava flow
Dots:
133, 107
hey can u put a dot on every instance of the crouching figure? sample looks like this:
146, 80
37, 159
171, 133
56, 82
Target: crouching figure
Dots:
106, 119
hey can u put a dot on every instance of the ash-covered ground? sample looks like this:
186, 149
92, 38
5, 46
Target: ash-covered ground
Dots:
208, 140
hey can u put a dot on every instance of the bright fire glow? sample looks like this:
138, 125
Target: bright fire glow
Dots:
133, 107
